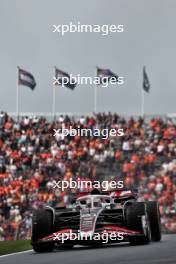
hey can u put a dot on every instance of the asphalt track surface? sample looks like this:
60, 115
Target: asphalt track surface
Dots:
163, 252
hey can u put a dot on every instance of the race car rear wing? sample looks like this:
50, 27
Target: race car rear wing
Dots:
117, 193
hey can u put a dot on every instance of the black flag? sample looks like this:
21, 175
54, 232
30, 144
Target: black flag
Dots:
146, 83
101, 73
61, 76
26, 78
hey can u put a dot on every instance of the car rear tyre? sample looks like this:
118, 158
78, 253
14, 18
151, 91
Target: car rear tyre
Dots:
134, 213
155, 221
42, 225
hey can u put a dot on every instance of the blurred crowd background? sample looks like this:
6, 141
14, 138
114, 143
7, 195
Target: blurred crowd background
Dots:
31, 159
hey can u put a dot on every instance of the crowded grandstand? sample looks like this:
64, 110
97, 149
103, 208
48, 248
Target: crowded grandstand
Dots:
31, 160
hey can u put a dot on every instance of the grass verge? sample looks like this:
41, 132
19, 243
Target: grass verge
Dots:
12, 246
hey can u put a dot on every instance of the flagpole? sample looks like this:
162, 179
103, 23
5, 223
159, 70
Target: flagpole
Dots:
54, 101
142, 102
17, 94
95, 95
95, 98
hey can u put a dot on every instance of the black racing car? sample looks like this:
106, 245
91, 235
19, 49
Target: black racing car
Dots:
97, 215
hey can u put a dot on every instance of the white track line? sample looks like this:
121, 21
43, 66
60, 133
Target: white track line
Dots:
16, 253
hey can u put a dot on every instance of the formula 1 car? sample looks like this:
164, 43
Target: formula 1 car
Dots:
115, 212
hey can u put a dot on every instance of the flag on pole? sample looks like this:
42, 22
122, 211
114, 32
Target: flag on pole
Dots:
26, 78
106, 73
64, 79
146, 83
